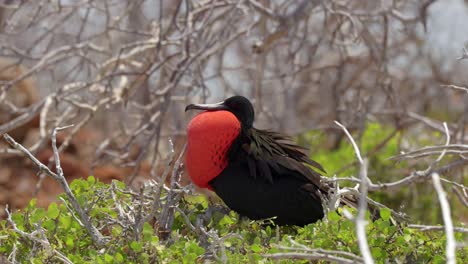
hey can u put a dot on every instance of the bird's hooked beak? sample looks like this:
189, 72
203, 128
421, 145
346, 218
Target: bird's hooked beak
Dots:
209, 107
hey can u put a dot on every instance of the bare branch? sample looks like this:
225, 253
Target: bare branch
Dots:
451, 245
309, 256
362, 207
437, 228
464, 89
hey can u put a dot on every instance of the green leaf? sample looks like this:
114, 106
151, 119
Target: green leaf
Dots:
36, 216
70, 241
79, 185
256, 248
108, 258
119, 184
438, 259
193, 247
407, 237
136, 246
32, 203
53, 211
91, 180
116, 231
385, 213
155, 241
118, 258
199, 200
226, 220
147, 231
333, 216
49, 224
65, 222
376, 252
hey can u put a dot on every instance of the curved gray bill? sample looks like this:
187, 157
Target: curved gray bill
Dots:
209, 107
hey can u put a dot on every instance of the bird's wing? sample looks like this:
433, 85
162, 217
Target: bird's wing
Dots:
271, 151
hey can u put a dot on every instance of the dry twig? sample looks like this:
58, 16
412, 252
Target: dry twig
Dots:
362, 206
450, 248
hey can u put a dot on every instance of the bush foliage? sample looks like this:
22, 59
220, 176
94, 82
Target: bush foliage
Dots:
223, 235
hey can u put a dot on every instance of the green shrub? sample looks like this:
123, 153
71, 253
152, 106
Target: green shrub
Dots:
222, 236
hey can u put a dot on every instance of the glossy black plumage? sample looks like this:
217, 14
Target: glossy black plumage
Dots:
286, 198
266, 174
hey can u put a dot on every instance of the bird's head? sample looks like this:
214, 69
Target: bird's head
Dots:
240, 106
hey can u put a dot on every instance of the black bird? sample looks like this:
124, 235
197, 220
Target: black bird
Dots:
258, 173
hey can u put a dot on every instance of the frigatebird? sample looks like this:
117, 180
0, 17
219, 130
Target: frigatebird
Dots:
257, 173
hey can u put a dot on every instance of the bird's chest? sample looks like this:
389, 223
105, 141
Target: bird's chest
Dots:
205, 159
207, 144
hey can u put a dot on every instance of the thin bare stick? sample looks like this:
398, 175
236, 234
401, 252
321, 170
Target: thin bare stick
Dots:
437, 228
460, 196
447, 142
310, 256
356, 148
41, 166
167, 213
455, 87
360, 221
445, 206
